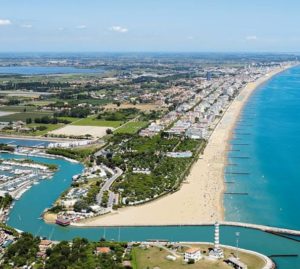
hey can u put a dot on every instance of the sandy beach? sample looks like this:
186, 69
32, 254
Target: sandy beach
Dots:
200, 198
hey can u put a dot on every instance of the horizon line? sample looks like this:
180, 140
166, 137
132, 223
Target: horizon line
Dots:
167, 52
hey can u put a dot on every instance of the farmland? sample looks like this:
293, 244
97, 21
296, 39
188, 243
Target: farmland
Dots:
93, 121
131, 127
22, 116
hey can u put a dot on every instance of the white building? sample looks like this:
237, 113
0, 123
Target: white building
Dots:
192, 254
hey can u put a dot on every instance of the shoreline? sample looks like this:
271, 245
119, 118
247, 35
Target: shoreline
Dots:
200, 198
240, 101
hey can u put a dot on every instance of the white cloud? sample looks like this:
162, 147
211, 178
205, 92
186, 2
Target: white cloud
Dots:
251, 37
4, 22
81, 26
118, 29
60, 28
26, 26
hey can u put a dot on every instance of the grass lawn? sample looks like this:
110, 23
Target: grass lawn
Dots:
71, 119
154, 257
131, 127
24, 115
92, 121
157, 257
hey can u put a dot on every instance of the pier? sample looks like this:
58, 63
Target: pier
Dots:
236, 193
241, 133
283, 256
239, 157
284, 236
237, 173
245, 125
263, 228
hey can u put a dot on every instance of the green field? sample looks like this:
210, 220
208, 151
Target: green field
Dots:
92, 121
154, 256
50, 127
40, 103
96, 102
24, 115
70, 119
131, 127
17, 108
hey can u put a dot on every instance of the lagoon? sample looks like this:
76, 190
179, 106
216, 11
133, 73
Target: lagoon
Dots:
47, 70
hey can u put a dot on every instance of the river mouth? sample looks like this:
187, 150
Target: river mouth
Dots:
25, 216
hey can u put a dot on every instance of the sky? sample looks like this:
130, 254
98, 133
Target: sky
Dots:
149, 25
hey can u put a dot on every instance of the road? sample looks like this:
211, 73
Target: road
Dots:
106, 187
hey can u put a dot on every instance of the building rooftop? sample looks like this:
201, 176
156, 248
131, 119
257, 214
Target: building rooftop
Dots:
192, 250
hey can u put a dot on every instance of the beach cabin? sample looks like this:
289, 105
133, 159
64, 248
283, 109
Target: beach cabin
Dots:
62, 221
192, 254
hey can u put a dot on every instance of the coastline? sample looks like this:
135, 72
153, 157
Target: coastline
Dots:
200, 198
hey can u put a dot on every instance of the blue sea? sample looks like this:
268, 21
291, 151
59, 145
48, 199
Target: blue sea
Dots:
47, 70
267, 136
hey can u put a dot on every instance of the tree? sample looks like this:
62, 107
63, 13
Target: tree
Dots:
109, 131
28, 120
80, 205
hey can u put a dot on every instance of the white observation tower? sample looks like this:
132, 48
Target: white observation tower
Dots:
217, 252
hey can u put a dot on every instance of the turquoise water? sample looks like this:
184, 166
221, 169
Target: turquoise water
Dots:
268, 135
46, 70
24, 142
26, 212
